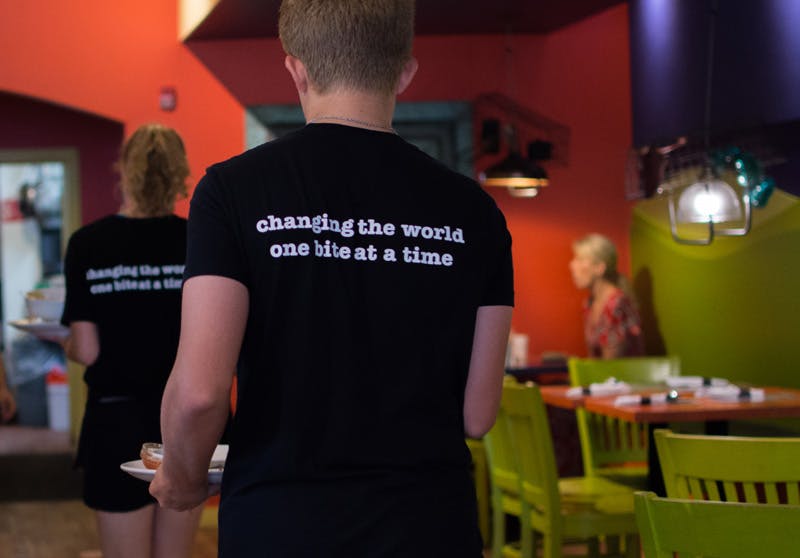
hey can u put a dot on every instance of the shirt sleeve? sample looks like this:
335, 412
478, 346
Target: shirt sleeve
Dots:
77, 301
500, 271
213, 245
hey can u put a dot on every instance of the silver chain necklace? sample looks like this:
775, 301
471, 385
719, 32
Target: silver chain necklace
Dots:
354, 121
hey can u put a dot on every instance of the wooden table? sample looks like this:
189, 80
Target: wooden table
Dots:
778, 403
543, 373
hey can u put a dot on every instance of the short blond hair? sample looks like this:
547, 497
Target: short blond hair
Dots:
154, 169
349, 44
600, 249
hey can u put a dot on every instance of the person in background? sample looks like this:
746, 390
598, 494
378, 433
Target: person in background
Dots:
365, 291
8, 406
612, 326
123, 296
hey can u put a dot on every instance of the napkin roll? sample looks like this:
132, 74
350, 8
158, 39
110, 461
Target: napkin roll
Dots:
601, 388
695, 382
731, 393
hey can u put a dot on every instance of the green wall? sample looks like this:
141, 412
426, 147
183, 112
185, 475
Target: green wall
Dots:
730, 309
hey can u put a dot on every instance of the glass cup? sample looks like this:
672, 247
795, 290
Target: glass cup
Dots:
151, 455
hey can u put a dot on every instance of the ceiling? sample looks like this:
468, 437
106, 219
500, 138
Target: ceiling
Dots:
250, 19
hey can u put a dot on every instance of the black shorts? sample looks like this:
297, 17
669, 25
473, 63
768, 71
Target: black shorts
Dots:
113, 432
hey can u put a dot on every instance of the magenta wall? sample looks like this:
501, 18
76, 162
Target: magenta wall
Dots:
31, 124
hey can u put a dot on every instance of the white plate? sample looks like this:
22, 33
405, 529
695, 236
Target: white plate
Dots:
38, 326
219, 456
137, 469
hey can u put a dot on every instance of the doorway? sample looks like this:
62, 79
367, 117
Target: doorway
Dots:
442, 129
40, 201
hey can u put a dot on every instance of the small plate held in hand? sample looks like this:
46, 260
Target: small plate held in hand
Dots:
137, 468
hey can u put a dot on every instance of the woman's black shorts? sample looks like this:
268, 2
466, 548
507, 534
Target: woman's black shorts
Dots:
113, 431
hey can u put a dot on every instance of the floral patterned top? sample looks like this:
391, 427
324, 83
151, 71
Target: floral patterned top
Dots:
618, 327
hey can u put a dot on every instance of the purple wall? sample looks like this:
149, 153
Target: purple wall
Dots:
756, 74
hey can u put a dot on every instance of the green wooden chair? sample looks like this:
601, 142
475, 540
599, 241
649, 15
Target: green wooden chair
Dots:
730, 468
555, 510
611, 447
504, 484
675, 527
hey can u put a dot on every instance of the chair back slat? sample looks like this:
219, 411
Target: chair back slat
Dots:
750, 492
711, 490
793, 493
695, 528
730, 492
615, 441
771, 493
751, 470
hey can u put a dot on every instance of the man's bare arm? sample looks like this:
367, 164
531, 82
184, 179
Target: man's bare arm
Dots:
196, 401
486, 369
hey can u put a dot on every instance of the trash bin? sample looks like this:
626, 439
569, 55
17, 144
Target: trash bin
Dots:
28, 361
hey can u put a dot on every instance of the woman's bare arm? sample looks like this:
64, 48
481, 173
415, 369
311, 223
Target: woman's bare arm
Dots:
83, 343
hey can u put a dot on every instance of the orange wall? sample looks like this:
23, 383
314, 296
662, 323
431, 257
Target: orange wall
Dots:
579, 78
111, 58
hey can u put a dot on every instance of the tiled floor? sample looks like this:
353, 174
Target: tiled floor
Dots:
37, 464
65, 529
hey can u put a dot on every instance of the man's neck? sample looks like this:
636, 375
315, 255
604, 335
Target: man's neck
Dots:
350, 108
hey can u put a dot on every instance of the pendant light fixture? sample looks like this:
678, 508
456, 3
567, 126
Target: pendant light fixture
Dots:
503, 124
519, 171
710, 199
521, 175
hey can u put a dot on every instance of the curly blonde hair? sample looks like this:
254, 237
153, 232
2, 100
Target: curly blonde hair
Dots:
352, 44
154, 169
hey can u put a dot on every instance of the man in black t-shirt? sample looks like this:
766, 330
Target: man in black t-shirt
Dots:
361, 292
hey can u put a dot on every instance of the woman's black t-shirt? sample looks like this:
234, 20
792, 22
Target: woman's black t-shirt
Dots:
365, 261
125, 275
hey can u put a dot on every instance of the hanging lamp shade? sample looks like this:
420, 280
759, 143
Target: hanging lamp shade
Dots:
521, 176
724, 208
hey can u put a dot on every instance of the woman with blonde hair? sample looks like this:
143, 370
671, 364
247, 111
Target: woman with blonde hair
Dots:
123, 302
612, 326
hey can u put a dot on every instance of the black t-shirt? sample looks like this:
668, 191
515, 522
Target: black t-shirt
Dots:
125, 275
365, 262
